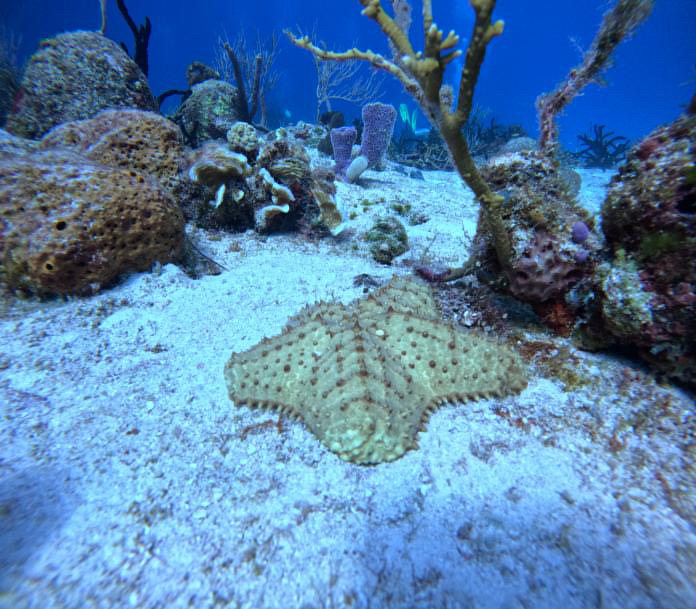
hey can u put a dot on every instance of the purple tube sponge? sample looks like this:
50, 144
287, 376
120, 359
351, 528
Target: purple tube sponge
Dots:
342, 140
580, 232
581, 256
378, 126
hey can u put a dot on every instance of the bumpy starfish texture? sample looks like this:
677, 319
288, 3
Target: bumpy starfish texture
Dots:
365, 377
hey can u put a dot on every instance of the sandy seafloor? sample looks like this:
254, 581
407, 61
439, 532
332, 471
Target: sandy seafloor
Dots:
129, 479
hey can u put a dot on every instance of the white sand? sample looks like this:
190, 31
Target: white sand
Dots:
128, 478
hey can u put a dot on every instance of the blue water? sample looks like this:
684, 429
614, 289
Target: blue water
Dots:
652, 78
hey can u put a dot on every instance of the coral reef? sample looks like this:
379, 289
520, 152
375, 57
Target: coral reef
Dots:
331, 120
242, 137
141, 38
430, 152
214, 163
342, 140
518, 218
74, 76
625, 303
486, 138
92, 199
356, 168
518, 144
132, 139
426, 153
343, 82
365, 377
266, 184
197, 72
542, 217
579, 232
311, 135
70, 226
422, 75
618, 23
253, 71
222, 172
10, 72
648, 295
541, 273
550, 254
246, 109
350, 162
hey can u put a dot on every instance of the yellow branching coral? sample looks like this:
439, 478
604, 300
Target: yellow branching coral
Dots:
421, 73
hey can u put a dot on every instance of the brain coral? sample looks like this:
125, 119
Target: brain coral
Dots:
242, 137
69, 226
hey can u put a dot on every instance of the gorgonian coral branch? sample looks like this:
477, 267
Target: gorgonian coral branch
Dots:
617, 24
422, 74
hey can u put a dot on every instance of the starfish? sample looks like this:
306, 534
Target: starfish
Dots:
365, 377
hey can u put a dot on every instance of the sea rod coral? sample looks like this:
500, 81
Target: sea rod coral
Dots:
617, 24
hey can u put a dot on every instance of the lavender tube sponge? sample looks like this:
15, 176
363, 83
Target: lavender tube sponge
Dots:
378, 126
342, 140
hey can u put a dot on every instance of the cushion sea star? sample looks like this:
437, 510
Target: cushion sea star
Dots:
364, 377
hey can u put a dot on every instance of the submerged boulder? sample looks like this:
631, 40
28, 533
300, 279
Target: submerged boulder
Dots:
208, 113
91, 200
74, 76
648, 286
